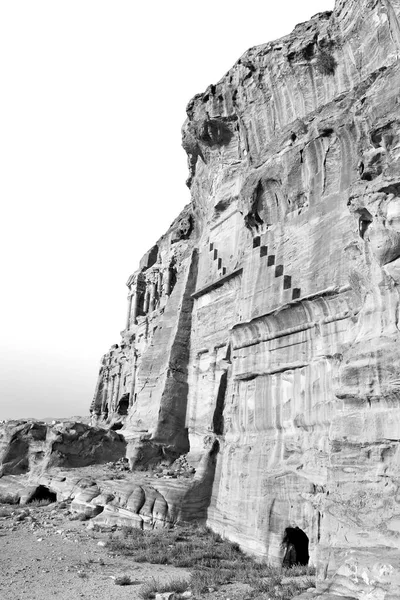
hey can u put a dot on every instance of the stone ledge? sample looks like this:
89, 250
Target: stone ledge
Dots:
216, 284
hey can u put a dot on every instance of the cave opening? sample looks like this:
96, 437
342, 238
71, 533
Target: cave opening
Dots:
43, 494
218, 418
295, 543
116, 426
364, 222
123, 405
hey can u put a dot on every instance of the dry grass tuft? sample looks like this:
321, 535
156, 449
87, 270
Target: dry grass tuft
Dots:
123, 580
150, 588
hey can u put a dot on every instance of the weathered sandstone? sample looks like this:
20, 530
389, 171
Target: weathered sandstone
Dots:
34, 447
262, 337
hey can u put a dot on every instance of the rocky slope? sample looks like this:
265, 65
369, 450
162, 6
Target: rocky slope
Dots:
259, 363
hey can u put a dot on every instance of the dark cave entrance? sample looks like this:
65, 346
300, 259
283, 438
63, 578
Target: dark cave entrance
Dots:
295, 543
123, 405
218, 417
43, 494
116, 426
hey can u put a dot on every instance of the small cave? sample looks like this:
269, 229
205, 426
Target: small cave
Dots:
295, 543
173, 277
218, 417
42, 493
364, 222
123, 405
183, 230
215, 132
308, 51
214, 449
258, 204
116, 426
98, 509
326, 62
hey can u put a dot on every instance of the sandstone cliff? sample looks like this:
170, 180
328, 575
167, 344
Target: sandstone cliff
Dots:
260, 359
262, 335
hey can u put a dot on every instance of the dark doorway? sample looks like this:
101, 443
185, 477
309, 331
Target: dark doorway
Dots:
295, 543
123, 405
218, 418
116, 426
42, 493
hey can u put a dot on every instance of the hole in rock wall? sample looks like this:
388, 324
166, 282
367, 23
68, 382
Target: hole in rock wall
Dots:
43, 493
172, 277
295, 543
215, 449
116, 426
228, 353
123, 405
218, 418
364, 222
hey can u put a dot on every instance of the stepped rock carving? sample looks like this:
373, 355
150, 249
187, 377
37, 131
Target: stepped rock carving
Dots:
257, 380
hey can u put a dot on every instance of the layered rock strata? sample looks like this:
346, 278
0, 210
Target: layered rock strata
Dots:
262, 336
263, 329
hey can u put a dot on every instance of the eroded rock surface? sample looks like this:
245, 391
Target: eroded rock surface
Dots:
34, 447
262, 337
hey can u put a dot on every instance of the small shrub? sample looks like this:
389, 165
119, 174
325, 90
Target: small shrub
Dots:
82, 574
299, 571
128, 530
291, 589
39, 503
123, 580
8, 500
203, 579
269, 584
310, 582
150, 588
5, 511
326, 62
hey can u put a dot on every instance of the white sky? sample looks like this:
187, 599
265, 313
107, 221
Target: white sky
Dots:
93, 97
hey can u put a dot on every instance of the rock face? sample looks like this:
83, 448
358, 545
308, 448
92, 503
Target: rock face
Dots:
34, 447
262, 339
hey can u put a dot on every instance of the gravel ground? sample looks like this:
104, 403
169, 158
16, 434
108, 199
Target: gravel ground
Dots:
45, 555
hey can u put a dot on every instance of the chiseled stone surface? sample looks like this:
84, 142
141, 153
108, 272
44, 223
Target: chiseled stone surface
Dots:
262, 338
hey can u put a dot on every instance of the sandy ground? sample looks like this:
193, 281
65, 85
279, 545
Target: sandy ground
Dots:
46, 555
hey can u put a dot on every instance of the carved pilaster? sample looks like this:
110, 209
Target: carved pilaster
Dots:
146, 300
116, 393
105, 391
152, 301
168, 282
133, 384
128, 315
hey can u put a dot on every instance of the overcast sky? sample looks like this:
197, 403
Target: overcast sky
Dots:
92, 170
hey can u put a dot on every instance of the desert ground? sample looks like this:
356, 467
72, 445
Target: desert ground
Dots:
46, 555
46, 552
